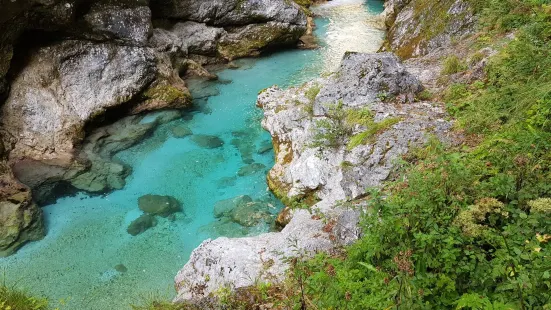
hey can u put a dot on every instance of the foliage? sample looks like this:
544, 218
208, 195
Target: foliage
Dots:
373, 129
14, 299
453, 64
331, 131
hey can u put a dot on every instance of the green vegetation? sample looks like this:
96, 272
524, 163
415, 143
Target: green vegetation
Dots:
337, 128
372, 130
453, 64
12, 298
465, 227
332, 130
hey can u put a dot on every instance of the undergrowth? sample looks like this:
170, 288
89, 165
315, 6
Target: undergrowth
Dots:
12, 298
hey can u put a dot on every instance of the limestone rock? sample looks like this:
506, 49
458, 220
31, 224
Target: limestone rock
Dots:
413, 30
159, 205
138, 226
230, 12
66, 84
20, 218
130, 25
240, 262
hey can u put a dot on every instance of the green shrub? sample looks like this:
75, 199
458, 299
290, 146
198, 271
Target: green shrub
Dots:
332, 130
372, 130
452, 65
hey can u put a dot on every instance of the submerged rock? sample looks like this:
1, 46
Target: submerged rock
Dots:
121, 268
251, 214
224, 207
159, 205
207, 141
250, 169
181, 131
264, 147
141, 224
226, 182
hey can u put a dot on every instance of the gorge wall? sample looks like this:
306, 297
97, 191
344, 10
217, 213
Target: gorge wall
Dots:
67, 66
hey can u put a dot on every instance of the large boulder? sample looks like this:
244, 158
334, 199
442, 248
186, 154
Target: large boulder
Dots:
369, 88
65, 85
377, 85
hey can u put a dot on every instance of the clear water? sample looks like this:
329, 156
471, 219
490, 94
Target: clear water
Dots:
74, 266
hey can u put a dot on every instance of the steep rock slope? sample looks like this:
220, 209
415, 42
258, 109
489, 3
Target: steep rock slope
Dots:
331, 168
416, 28
64, 65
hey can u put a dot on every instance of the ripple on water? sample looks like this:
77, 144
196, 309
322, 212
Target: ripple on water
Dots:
82, 257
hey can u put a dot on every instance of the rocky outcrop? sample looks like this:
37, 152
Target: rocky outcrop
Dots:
66, 64
64, 86
334, 137
418, 27
20, 217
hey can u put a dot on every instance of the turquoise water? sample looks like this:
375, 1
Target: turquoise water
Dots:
74, 265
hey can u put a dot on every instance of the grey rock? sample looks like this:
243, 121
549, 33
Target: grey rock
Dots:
181, 131
411, 34
241, 262
265, 147
65, 85
230, 12
130, 25
20, 218
187, 38
251, 214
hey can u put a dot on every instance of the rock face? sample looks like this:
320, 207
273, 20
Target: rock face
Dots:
362, 96
20, 217
65, 85
64, 65
417, 27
